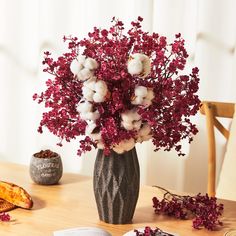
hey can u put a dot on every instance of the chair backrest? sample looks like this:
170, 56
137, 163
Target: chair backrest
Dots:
212, 110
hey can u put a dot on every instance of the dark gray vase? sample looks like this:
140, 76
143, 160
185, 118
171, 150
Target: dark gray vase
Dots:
116, 186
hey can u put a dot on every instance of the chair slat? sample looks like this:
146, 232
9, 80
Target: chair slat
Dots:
212, 110
221, 128
220, 109
211, 149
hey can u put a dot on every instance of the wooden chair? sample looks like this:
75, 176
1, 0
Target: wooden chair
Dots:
213, 110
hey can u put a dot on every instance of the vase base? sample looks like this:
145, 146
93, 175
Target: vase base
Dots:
116, 222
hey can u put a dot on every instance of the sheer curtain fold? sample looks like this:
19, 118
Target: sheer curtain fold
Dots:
29, 27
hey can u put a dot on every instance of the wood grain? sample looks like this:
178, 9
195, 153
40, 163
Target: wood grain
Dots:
220, 109
71, 204
212, 110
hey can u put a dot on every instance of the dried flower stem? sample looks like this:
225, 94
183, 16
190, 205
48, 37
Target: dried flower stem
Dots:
204, 209
169, 193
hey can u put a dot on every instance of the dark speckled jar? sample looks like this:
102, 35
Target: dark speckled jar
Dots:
46, 171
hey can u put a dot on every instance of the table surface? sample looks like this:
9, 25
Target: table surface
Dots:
71, 204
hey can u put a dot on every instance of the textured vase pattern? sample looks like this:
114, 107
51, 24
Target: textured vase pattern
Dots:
116, 186
46, 171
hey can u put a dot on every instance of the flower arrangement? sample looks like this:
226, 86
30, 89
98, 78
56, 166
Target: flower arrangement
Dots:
115, 89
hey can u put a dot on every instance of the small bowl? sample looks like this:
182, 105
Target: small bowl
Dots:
46, 170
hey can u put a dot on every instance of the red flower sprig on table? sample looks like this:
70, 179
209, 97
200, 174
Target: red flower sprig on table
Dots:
204, 209
5, 217
116, 89
152, 232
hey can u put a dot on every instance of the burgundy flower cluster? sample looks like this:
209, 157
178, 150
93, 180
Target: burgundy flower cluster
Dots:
5, 217
204, 209
152, 232
116, 89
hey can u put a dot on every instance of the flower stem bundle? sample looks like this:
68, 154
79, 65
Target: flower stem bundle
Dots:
204, 210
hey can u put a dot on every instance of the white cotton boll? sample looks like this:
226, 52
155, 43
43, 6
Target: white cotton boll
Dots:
139, 56
87, 93
130, 116
90, 83
146, 102
127, 125
135, 115
137, 124
118, 150
124, 145
127, 117
84, 107
129, 144
95, 136
84, 74
145, 130
145, 61
144, 134
90, 64
95, 115
100, 145
146, 67
139, 139
150, 94
75, 67
81, 59
101, 87
146, 137
89, 128
85, 115
90, 116
137, 101
98, 97
135, 67
141, 91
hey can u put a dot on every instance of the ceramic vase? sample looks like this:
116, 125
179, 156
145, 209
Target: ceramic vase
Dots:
116, 186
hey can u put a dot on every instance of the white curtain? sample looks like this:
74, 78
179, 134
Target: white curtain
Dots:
29, 27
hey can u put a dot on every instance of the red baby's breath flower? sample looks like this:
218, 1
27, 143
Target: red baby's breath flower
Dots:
133, 87
5, 217
204, 210
148, 231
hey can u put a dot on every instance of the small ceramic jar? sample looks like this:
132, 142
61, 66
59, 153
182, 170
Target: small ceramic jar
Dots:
46, 167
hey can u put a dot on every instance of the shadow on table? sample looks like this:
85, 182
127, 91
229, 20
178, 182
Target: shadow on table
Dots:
69, 178
38, 203
146, 214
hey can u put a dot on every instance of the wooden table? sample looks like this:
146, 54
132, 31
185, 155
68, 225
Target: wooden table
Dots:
71, 204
